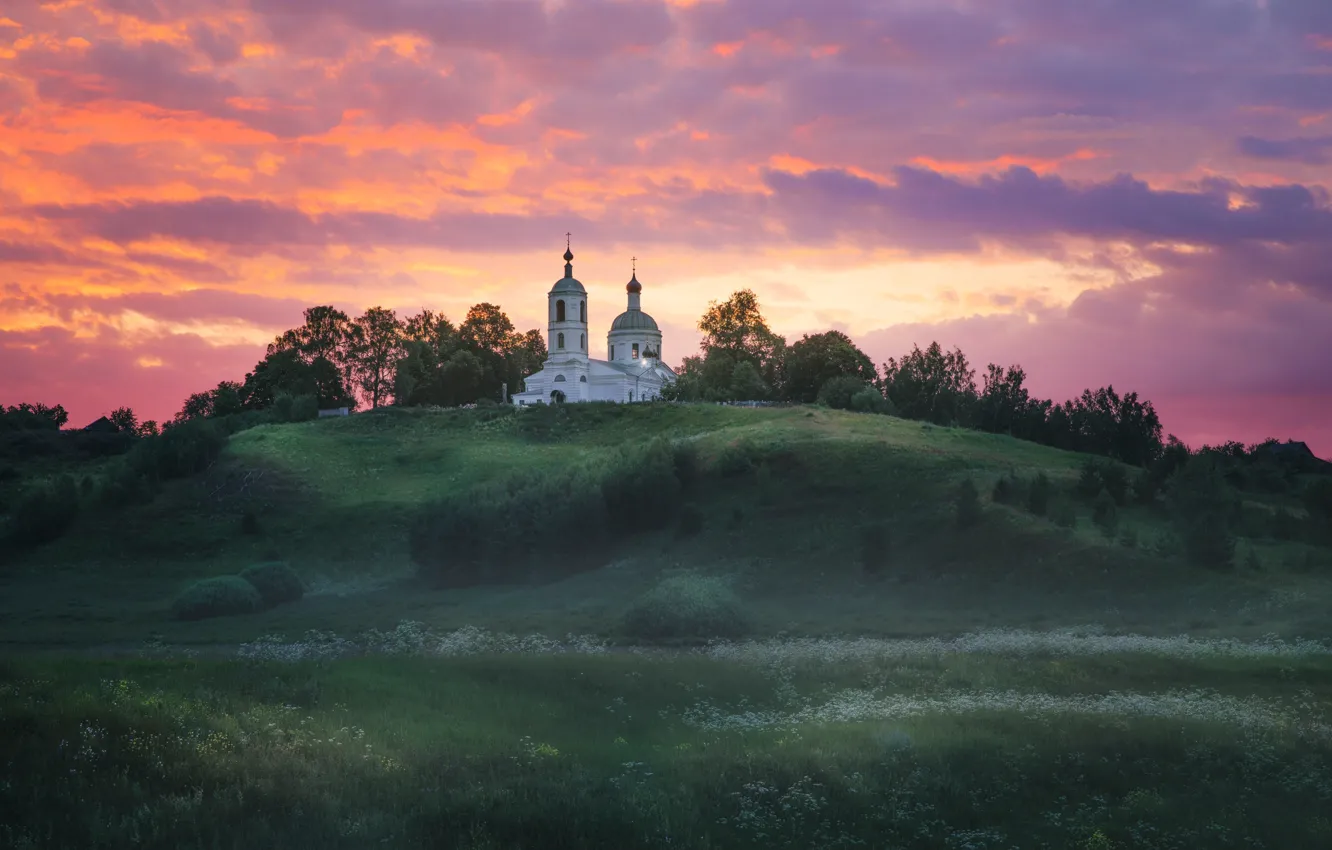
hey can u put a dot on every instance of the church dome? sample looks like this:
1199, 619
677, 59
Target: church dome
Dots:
633, 287
634, 320
568, 283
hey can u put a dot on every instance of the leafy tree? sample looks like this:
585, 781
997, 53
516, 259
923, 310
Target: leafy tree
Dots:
26, 416
737, 327
1102, 422
1004, 402
328, 335
487, 329
374, 353
149, 428
815, 360
125, 420
286, 372
746, 383
932, 385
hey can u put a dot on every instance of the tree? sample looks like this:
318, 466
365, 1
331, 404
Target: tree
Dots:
27, 416
328, 334
1003, 401
286, 371
125, 420
815, 360
487, 329
746, 383
1204, 509
149, 428
838, 392
931, 385
737, 327
375, 351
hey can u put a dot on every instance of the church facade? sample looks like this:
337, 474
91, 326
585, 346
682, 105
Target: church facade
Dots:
633, 370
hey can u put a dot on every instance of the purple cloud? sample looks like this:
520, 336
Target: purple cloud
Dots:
1311, 150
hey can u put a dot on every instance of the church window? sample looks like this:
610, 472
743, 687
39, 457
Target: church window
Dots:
559, 378
582, 379
559, 312
635, 351
559, 340
582, 312
582, 342
612, 352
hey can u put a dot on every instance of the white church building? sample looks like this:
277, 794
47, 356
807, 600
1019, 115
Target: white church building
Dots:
633, 370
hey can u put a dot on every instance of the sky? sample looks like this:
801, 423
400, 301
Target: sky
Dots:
1124, 192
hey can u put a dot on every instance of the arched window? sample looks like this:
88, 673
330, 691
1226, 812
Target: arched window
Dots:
559, 340
582, 312
560, 378
612, 352
635, 351
559, 312
582, 342
582, 379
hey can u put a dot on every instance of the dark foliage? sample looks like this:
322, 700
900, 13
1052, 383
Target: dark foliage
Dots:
217, 597
1105, 514
44, 513
1005, 490
1038, 495
967, 506
840, 392
181, 450
1204, 508
276, 582
1099, 475
641, 487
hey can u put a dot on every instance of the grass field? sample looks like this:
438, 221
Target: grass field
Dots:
1012, 684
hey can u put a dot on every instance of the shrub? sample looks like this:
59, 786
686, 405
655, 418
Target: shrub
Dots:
1038, 495
1203, 508
684, 607
276, 582
967, 504
180, 450
1005, 490
295, 408
869, 400
688, 469
217, 597
490, 533
44, 513
640, 487
1146, 487
735, 459
1099, 474
838, 392
1104, 514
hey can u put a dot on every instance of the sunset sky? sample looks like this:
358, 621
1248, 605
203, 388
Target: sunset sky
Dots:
1126, 192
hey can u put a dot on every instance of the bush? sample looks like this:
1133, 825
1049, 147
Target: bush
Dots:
1005, 490
1104, 514
217, 597
1099, 474
688, 468
869, 400
1038, 495
734, 459
967, 504
838, 392
640, 487
1203, 509
295, 408
1146, 487
686, 607
276, 582
44, 513
179, 451
490, 533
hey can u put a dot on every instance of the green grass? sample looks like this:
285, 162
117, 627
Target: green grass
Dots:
335, 498
617, 750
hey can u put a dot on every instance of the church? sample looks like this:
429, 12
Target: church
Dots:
633, 370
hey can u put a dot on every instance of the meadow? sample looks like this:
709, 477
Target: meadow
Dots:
813, 652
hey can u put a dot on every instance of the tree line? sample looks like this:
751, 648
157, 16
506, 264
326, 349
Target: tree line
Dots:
741, 358
333, 360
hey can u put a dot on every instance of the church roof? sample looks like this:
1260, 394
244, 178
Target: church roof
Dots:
634, 320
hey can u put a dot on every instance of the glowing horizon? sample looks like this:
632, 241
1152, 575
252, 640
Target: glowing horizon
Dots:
1123, 195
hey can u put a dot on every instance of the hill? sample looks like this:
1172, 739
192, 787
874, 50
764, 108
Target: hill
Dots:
820, 521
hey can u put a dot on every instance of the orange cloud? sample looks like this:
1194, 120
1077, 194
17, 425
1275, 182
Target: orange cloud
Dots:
1036, 164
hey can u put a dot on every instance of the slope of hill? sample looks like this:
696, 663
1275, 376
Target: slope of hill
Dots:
821, 521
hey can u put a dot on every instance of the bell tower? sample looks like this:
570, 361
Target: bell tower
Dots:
566, 337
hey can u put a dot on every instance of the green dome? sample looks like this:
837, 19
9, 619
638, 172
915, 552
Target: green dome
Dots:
634, 320
568, 284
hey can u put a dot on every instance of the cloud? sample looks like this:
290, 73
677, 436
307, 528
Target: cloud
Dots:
1311, 150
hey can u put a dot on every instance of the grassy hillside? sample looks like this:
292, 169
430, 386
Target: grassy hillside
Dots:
785, 522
